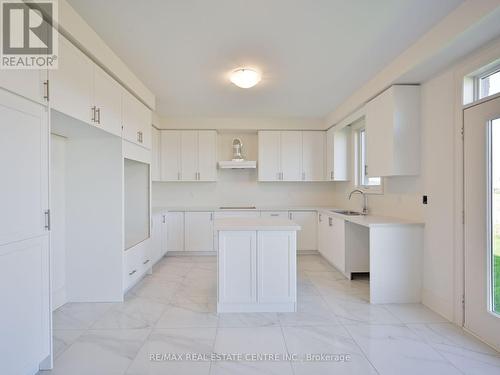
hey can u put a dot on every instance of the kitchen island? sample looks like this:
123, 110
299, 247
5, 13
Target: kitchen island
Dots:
257, 265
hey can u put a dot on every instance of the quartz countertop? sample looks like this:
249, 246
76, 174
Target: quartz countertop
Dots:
258, 223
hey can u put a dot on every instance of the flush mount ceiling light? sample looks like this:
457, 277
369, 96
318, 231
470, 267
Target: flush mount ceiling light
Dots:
245, 77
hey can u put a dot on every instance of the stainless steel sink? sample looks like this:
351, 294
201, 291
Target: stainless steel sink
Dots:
348, 212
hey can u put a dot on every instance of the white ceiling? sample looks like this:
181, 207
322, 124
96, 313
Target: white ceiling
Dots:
313, 53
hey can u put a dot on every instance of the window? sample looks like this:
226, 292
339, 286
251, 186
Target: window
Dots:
363, 182
494, 209
488, 84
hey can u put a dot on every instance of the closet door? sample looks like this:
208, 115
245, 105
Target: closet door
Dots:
24, 241
189, 155
291, 155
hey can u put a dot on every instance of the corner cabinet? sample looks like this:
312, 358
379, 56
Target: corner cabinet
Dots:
393, 132
188, 155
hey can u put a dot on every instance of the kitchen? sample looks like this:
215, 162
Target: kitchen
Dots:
181, 193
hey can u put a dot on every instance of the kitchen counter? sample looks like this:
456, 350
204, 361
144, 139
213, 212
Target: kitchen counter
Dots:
258, 223
370, 220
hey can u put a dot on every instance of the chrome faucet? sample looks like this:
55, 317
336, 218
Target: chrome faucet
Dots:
365, 199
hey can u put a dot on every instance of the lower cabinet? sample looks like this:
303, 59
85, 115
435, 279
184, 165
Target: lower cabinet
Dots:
137, 263
275, 214
323, 230
307, 237
199, 231
337, 242
175, 231
159, 236
257, 271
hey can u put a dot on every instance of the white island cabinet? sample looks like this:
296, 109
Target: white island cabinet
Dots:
257, 265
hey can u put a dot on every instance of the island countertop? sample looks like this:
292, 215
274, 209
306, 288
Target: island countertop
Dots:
257, 223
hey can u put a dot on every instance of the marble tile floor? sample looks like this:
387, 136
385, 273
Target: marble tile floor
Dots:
173, 311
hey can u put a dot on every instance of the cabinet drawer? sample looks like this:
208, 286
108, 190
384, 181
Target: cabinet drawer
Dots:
275, 214
137, 261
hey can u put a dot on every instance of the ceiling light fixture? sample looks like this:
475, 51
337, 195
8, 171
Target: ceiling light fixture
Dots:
245, 77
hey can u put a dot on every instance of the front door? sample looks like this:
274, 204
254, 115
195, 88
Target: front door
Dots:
482, 220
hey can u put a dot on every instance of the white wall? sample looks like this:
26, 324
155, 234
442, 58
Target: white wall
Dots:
240, 187
248, 123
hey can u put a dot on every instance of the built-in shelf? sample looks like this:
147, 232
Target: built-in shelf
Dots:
230, 164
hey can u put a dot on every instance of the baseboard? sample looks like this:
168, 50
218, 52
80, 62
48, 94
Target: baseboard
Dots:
190, 253
307, 252
438, 304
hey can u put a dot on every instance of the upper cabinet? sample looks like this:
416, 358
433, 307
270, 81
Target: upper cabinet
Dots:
313, 156
337, 154
31, 84
71, 83
393, 132
188, 155
291, 155
136, 120
155, 154
280, 155
107, 103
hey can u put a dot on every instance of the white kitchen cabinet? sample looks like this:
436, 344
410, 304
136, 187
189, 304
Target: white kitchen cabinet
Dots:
170, 155
31, 84
393, 132
107, 103
71, 84
313, 156
275, 214
323, 235
24, 240
276, 255
199, 231
175, 231
155, 154
307, 237
337, 242
189, 155
280, 155
269, 156
291, 155
237, 213
136, 120
237, 276
337, 154
158, 236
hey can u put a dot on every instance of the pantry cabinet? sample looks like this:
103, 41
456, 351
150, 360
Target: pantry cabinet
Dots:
337, 154
307, 237
199, 231
136, 120
313, 156
393, 132
188, 155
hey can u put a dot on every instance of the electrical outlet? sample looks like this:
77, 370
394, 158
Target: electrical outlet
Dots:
424, 199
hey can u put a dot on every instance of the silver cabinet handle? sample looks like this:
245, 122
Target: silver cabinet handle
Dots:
211, 216
164, 219
178, 175
131, 273
139, 137
145, 262
47, 219
290, 215
275, 215
46, 90
366, 170
331, 175
93, 113
330, 221
320, 218
98, 110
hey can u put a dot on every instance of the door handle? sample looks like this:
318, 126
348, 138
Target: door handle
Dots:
93, 114
46, 89
145, 262
164, 219
131, 273
330, 221
98, 110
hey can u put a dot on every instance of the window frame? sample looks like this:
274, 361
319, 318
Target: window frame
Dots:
359, 166
480, 76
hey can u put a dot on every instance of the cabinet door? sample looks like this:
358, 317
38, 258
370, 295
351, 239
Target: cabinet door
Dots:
26, 83
313, 156
189, 155
71, 83
25, 170
307, 237
25, 313
136, 119
199, 231
155, 154
170, 155
207, 155
269, 168
108, 102
337, 239
164, 234
175, 231
156, 237
291, 155
330, 154
237, 275
341, 154
322, 234
275, 214
276, 268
